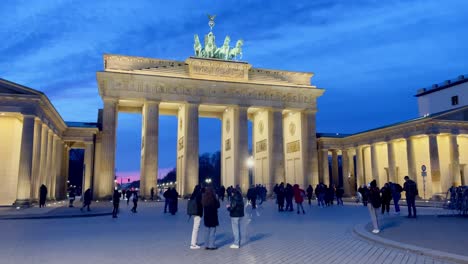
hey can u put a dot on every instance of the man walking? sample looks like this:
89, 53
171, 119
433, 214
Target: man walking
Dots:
396, 195
411, 190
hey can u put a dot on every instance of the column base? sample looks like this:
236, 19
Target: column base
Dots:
22, 203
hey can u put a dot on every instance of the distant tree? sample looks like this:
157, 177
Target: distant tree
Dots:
170, 176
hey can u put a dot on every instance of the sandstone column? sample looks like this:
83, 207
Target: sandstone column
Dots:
48, 178
325, 170
391, 161
52, 169
375, 164
242, 153
64, 171
192, 142
88, 162
278, 147
109, 123
311, 168
36, 175
58, 170
149, 148
411, 159
346, 164
23, 194
435, 163
454, 160
359, 167
43, 156
335, 169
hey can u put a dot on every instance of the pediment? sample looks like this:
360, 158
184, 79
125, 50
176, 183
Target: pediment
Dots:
8, 87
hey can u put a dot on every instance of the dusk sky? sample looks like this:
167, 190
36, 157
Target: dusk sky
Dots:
369, 56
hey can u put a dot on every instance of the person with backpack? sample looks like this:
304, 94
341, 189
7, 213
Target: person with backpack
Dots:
195, 209
374, 205
411, 191
396, 190
236, 212
339, 195
386, 198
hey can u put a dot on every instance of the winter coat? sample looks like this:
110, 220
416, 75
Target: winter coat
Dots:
298, 195
197, 196
87, 197
386, 194
411, 189
374, 197
236, 209
210, 213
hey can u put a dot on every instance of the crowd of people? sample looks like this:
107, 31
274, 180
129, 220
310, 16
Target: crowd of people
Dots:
379, 199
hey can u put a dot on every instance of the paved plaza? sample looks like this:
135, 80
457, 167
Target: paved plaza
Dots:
321, 236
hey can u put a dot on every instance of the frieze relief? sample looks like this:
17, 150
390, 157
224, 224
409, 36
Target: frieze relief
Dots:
292, 147
261, 146
159, 89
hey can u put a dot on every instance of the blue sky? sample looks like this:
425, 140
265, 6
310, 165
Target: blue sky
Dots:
370, 56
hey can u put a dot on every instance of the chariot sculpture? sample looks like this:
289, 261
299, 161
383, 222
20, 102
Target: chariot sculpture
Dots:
225, 52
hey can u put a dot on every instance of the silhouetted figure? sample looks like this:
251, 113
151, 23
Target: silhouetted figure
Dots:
299, 198
87, 199
310, 191
222, 192
411, 191
195, 209
396, 195
386, 198
320, 191
167, 198
339, 195
115, 202
364, 191
135, 201
42, 195
374, 205
236, 212
71, 196
252, 196
280, 197
288, 195
152, 193
173, 200
128, 193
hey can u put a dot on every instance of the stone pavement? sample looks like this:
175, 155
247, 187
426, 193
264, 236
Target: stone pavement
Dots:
443, 233
323, 235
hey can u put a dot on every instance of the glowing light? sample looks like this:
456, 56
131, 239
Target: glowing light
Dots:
250, 162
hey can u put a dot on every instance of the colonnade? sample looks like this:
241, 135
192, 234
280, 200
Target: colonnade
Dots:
435, 161
271, 158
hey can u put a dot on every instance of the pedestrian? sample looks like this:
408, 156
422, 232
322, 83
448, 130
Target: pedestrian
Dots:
167, 199
288, 195
330, 195
339, 195
310, 192
386, 198
42, 195
128, 193
299, 198
275, 192
374, 205
364, 191
280, 197
173, 201
135, 201
115, 202
195, 209
229, 192
320, 193
71, 195
152, 193
252, 196
123, 194
88, 196
236, 212
210, 216
411, 191
222, 192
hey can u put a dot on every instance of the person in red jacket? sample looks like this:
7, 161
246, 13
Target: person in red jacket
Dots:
299, 198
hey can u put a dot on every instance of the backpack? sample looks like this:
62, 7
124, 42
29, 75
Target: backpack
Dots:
192, 207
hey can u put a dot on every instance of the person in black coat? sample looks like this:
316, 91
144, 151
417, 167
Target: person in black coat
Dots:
197, 197
411, 191
128, 193
173, 201
210, 216
236, 212
42, 195
386, 198
364, 191
135, 201
288, 195
280, 197
167, 198
87, 199
310, 192
71, 196
339, 195
222, 192
115, 202
252, 196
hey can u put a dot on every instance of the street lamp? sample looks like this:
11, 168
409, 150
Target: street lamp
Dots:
208, 180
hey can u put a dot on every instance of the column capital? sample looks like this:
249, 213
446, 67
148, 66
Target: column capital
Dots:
309, 111
110, 100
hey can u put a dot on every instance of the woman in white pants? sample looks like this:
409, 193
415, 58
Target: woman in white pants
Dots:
197, 215
374, 204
